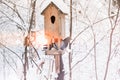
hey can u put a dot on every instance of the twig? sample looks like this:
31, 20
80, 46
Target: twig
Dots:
88, 52
79, 34
35, 50
104, 19
8, 62
94, 35
89, 27
12, 52
110, 46
36, 65
13, 60
15, 10
13, 20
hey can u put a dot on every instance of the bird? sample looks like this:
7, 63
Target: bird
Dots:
64, 43
53, 45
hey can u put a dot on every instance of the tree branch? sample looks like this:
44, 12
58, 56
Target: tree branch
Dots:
8, 62
13, 20
110, 45
88, 52
12, 52
15, 10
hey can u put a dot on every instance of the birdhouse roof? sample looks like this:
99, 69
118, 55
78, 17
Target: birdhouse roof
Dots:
57, 3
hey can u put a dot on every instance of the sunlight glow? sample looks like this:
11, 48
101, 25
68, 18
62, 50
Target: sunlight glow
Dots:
40, 39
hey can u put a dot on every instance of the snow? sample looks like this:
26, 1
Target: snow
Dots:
59, 3
92, 12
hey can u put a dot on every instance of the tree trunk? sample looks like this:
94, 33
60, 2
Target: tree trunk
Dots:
70, 72
32, 22
25, 63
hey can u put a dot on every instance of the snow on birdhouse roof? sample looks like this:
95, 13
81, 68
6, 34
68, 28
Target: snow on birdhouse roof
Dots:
58, 3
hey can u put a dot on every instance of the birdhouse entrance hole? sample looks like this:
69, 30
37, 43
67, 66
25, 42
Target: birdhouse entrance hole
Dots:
53, 19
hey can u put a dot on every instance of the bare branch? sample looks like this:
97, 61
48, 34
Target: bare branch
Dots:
110, 45
79, 34
36, 65
90, 26
88, 52
13, 20
12, 52
32, 16
104, 19
36, 51
8, 62
15, 10
94, 35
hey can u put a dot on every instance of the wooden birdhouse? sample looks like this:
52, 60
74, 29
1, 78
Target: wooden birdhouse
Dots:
54, 12
54, 20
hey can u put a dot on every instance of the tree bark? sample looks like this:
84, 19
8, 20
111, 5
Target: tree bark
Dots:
32, 21
25, 63
70, 59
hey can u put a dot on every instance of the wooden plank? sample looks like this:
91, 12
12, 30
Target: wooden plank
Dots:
53, 52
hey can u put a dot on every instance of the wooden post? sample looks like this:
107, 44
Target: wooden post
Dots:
57, 55
57, 63
61, 74
54, 26
70, 56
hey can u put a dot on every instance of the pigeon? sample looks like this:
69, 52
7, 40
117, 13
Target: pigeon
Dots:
64, 43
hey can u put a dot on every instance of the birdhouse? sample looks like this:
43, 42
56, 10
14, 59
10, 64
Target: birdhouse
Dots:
54, 20
54, 12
